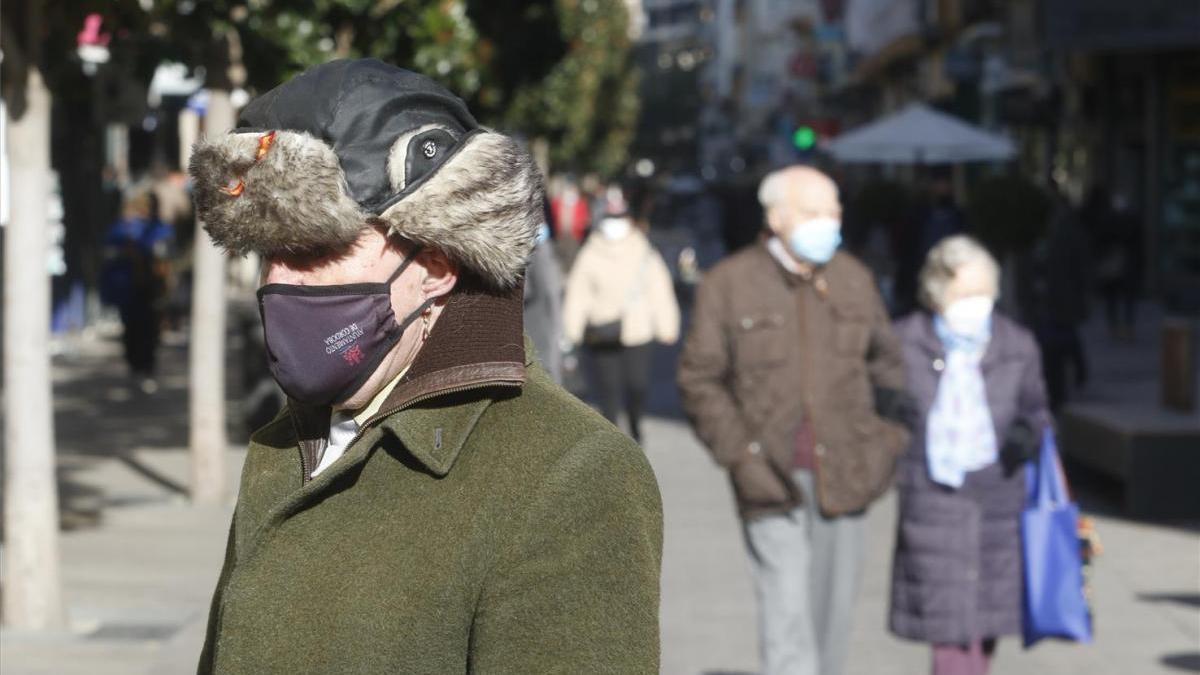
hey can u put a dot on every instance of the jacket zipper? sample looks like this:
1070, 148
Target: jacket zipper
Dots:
408, 404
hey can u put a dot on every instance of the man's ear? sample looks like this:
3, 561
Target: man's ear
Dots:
774, 221
441, 272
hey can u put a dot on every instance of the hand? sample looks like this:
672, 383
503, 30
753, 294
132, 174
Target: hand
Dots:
899, 406
1021, 444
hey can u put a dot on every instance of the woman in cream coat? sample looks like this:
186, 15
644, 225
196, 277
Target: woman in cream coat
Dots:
618, 276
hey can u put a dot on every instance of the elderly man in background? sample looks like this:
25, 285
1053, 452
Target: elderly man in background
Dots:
792, 378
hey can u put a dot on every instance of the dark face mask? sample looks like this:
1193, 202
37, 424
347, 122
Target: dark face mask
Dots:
324, 342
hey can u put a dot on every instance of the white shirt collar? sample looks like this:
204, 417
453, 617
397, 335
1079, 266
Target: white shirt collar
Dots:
780, 253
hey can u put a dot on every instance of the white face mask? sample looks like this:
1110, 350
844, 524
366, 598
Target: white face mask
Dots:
970, 317
614, 228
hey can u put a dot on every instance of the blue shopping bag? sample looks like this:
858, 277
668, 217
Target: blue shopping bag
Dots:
1054, 605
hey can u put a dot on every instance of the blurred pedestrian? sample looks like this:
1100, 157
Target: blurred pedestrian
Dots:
791, 376
170, 190
134, 280
619, 302
543, 301
981, 404
1055, 288
571, 217
429, 500
174, 207
1117, 243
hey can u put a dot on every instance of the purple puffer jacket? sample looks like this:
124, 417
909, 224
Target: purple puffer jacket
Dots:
956, 575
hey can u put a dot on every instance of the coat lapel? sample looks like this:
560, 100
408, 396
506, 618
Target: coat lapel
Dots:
435, 435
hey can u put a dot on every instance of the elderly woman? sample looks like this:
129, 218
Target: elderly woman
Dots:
977, 379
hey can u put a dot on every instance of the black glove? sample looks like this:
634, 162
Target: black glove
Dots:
1022, 444
897, 405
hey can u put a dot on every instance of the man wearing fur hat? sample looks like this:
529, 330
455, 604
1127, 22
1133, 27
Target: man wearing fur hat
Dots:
428, 500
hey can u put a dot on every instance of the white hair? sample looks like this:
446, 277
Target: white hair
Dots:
944, 261
774, 185
770, 190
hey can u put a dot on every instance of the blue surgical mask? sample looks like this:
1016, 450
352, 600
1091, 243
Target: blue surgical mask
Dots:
969, 318
816, 240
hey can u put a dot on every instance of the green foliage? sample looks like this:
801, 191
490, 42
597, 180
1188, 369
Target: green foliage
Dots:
587, 104
1008, 213
435, 37
556, 69
445, 43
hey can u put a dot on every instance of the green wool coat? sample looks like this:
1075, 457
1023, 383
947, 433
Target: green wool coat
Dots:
488, 532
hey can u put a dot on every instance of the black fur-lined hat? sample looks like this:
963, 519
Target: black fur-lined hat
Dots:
314, 160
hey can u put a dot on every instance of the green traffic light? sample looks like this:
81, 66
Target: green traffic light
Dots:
804, 138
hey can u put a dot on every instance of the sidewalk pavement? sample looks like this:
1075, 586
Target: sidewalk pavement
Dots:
1147, 588
139, 562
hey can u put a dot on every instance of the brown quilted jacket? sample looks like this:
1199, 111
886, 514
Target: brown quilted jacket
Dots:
767, 347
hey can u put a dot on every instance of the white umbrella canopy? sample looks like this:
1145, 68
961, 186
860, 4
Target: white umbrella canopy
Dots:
919, 134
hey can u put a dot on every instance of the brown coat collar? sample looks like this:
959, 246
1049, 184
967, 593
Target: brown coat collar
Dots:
478, 339
811, 274
477, 344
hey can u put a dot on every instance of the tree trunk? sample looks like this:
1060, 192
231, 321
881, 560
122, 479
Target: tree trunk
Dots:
207, 436
32, 597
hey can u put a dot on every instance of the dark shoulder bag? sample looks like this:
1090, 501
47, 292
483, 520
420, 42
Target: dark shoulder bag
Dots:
607, 335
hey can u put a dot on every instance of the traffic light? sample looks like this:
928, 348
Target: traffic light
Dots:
804, 138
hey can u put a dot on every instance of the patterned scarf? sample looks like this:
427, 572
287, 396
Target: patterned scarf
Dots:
960, 436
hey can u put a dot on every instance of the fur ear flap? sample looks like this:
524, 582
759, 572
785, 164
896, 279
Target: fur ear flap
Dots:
289, 197
482, 207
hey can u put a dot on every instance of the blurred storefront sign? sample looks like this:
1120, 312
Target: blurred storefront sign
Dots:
1122, 24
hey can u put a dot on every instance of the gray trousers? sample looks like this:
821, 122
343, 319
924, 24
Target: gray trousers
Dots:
806, 570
